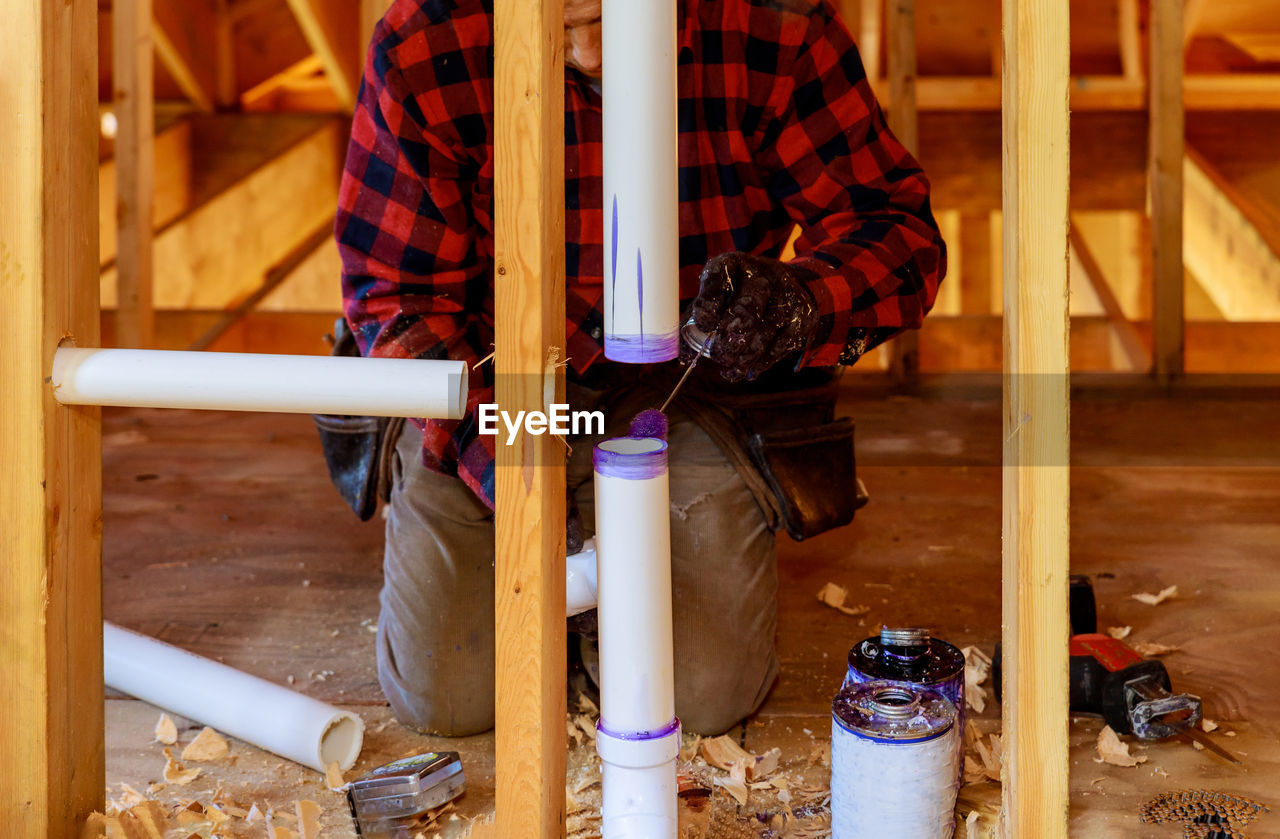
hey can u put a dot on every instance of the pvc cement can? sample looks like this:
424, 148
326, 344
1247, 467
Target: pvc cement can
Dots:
893, 762
911, 656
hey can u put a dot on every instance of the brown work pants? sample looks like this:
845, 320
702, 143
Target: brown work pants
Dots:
436, 627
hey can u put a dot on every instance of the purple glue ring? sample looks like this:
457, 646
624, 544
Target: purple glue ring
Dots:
653, 734
646, 348
630, 458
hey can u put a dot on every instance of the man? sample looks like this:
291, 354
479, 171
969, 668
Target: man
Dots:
778, 129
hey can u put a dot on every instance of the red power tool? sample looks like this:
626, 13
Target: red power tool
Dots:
1132, 694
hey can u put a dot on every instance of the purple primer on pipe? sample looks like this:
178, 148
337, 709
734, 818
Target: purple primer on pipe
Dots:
642, 349
666, 731
613, 252
630, 458
640, 294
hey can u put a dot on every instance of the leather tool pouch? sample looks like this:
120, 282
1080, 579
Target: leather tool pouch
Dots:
358, 450
805, 455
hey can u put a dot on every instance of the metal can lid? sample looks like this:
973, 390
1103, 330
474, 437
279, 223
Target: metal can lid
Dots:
893, 711
407, 776
914, 636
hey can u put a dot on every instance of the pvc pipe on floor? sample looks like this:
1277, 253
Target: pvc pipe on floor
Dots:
263, 713
299, 384
641, 289
638, 736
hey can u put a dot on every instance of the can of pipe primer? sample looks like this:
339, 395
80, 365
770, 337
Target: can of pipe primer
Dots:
911, 656
893, 762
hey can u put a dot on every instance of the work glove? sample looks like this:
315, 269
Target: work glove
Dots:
758, 310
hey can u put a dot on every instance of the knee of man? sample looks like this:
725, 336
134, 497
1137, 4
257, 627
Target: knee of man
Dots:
711, 702
436, 697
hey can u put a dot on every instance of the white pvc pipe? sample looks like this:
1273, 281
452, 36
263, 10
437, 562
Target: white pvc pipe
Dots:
263, 713
580, 580
641, 235
638, 736
299, 384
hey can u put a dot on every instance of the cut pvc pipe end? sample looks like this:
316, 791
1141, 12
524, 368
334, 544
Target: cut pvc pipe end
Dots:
638, 779
263, 713
295, 384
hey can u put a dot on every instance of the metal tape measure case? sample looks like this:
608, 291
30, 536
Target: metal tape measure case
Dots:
384, 801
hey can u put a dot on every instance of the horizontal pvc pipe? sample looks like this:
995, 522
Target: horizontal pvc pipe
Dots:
298, 384
263, 713
580, 580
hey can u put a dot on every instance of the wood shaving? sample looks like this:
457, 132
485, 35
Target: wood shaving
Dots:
1150, 649
1156, 599
274, 832
977, 667
150, 819
175, 772
734, 787
1207, 725
835, 596
208, 745
255, 815
1119, 632
166, 731
971, 825
333, 777
129, 797
723, 753
1112, 750
690, 750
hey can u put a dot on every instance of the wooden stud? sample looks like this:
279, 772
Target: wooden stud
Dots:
135, 170
51, 730
1165, 179
225, 94
1131, 344
904, 122
870, 17
183, 36
975, 263
1130, 39
371, 11
1036, 407
530, 510
1192, 11
332, 28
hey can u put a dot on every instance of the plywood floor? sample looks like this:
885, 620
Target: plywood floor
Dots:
222, 535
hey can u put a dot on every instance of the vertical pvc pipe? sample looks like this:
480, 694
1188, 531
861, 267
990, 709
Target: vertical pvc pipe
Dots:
641, 234
638, 736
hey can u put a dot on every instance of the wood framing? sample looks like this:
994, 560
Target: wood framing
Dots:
870, 17
530, 340
1126, 334
975, 263
134, 98
1166, 151
1036, 406
332, 28
51, 731
184, 31
904, 122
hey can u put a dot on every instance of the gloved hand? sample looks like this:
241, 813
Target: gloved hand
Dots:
760, 309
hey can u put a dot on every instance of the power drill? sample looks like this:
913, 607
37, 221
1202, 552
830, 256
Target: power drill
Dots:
1132, 694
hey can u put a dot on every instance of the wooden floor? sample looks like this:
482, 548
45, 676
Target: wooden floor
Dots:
223, 535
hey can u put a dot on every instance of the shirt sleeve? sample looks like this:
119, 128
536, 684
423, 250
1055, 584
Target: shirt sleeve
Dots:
414, 277
860, 199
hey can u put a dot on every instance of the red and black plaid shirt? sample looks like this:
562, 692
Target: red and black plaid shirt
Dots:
778, 128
